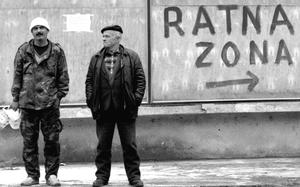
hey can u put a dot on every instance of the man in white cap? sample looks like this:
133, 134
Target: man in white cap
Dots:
40, 81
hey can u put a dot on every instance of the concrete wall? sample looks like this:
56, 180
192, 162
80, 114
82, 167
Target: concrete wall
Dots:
181, 136
204, 130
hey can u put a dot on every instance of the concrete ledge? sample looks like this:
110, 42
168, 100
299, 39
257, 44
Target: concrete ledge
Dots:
207, 134
254, 107
205, 108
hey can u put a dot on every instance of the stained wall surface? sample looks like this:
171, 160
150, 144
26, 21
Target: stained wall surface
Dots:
76, 26
196, 50
225, 50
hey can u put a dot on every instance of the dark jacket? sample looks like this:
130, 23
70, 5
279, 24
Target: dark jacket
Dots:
39, 85
133, 81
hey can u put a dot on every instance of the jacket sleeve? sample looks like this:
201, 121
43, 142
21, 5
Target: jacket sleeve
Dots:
140, 81
62, 76
89, 83
18, 76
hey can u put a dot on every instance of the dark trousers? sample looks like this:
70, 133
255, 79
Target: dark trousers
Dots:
105, 130
48, 121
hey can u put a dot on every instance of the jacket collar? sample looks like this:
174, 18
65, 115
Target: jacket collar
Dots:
30, 49
122, 50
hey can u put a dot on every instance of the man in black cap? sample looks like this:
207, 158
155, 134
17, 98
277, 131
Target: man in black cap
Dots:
115, 86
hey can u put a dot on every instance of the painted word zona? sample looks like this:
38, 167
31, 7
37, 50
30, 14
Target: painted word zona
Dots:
203, 21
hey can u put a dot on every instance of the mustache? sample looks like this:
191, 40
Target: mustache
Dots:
39, 34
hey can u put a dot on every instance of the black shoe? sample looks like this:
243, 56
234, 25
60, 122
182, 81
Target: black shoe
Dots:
99, 183
137, 183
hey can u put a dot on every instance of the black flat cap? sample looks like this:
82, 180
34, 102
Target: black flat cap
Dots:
113, 28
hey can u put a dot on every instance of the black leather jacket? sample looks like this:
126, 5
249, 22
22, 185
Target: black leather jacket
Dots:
133, 81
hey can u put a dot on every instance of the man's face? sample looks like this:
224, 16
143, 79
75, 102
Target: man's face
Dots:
110, 38
39, 32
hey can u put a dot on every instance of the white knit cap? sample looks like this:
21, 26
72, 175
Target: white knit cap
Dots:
39, 21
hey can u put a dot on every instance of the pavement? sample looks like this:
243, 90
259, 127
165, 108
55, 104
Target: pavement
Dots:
220, 172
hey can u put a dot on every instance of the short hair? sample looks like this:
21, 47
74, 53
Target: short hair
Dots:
116, 34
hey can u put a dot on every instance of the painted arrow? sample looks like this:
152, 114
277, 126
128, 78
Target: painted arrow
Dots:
252, 81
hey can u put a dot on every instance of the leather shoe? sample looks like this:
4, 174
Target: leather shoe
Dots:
29, 181
52, 181
99, 183
136, 183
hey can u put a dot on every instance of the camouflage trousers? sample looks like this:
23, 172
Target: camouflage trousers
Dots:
48, 121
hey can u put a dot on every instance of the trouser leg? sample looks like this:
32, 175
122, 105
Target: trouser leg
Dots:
105, 132
127, 132
51, 127
30, 131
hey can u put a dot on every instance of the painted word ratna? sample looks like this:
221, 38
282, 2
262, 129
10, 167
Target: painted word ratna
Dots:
203, 21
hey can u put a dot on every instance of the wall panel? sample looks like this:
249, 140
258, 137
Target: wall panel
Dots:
225, 50
76, 26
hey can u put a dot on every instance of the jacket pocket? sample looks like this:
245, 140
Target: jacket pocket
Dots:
51, 68
27, 69
130, 98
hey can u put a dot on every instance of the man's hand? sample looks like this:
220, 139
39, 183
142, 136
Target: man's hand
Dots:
57, 103
14, 105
